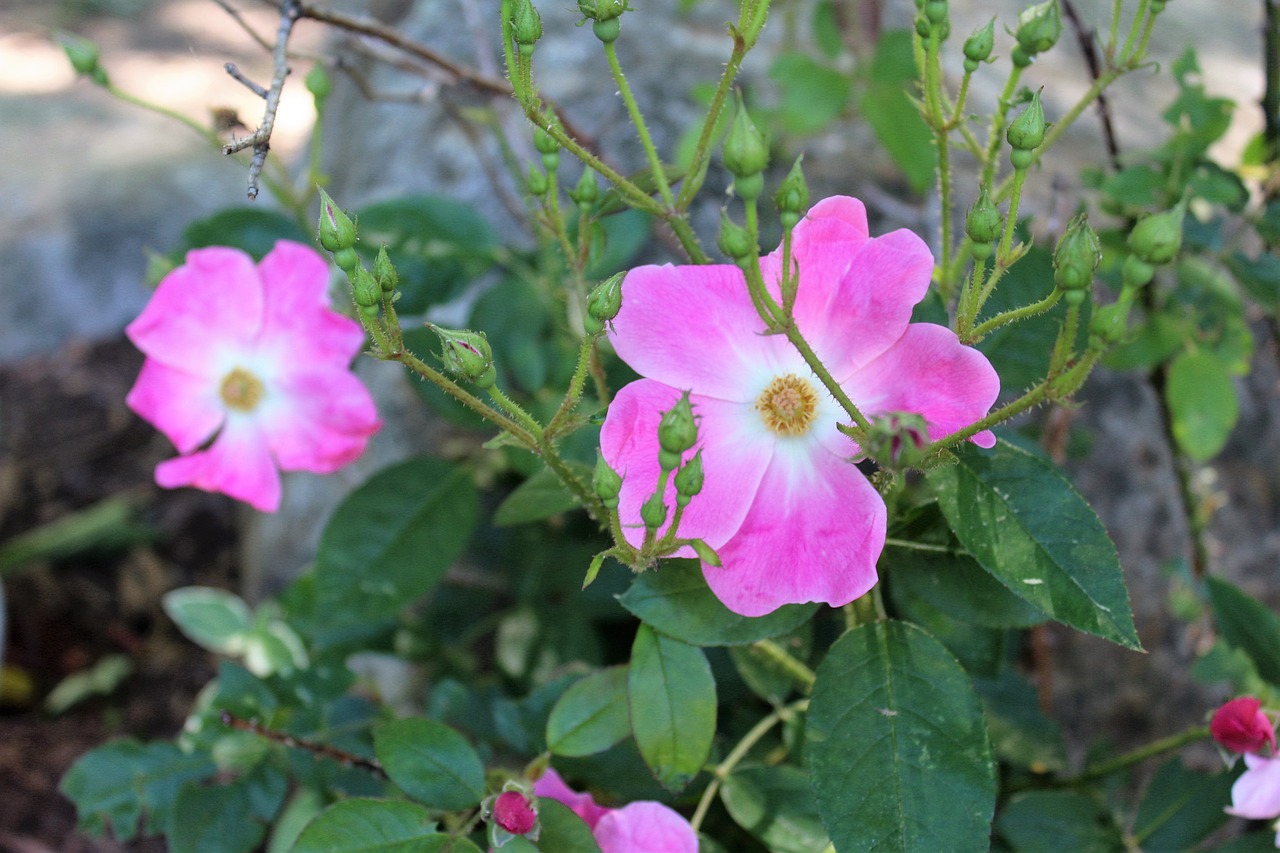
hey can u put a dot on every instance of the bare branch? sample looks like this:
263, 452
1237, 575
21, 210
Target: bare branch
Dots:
1085, 38
231, 69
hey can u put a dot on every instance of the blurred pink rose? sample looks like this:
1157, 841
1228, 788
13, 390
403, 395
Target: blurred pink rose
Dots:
640, 827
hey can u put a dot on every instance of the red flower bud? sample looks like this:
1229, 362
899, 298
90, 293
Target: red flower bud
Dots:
514, 812
1241, 726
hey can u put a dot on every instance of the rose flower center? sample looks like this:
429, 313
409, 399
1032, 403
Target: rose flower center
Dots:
788, 405
241, 390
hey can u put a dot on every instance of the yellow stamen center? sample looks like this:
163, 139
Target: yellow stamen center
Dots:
789, 405
241, 390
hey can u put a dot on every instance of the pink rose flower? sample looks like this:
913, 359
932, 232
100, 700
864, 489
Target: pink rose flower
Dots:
1256, 794
248, 372
640, 827
1241, 726
790, 517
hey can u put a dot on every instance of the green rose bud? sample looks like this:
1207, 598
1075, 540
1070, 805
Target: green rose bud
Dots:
384, 272
319, 83
977, 47
1157, 238
1039, 27
1110, 323
1076, 256
336, 229
605, 301
1026, 132
467, 354
983, 223
544, 142
735, 241
792, 197
536, 183
607, 483
1136, 272
689, 480
365, 289
602, 10
677, 432
745, 151
936, 11
526, 25
587, 189
653, 512
83, 54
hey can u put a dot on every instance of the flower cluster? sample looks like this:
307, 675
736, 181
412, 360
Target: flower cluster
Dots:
248, 373
790, 518
1241, 726
643, 825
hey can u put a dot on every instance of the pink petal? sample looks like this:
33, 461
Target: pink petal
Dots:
814, 533
298, 316
237, 464
185, 407
203, 313
645, 827
929, 372
1256, 794
735, 452
852, 318
693, 327
318, 421
584, 806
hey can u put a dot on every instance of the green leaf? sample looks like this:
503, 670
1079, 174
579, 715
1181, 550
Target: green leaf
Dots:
250, 229
897, 745
812, 94
826, 29
1247, 624
211, 618
430, 762
766, 677
1181, 808
393, 539
888, 108
562, 830
113, 786
217, 817
372, 826
923, 559
439, 245
1025, 524
100, 679
1259, 277
776, 805
673, 706
675, 599
541, 496
1202, 404
1053, 821
625, 234
1021, 734
592, 715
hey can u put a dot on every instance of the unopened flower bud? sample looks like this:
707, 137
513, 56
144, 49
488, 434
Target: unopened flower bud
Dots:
745, 151
1076, 256
526, 26
898, 439
514, 811
1039, 27
83, 53
319, 83
983, 225
1020, 57
677, 431
365, 289
1110, 323
602, 10
336, 229
536, 183
653, 512
977, 47
544, 142
1157, 238
1136, 272
1241, 726
607, 483
467, 354
689, 479
735, 241
384, 272
587, 189
792, 197
604, 302
1026, 132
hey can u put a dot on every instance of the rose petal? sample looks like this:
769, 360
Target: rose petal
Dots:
645, 827
814, 534
237, 464
1256, 794
203, 314
736, 450
298, 318
185, 407
318, 421
693, 327
929, 372
551, 786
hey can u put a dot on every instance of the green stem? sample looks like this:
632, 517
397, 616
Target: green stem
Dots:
512, 408
205, 133
1137, 756
1014, 316
997, 126
577, 384
1127, 51
642, 130
464, 397
828, 381
801, 675
734, 758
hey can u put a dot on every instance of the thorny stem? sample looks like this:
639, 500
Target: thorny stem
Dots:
997, 126
1013, 316
314, 747
577, 384
723, 770
642, 130
464, 397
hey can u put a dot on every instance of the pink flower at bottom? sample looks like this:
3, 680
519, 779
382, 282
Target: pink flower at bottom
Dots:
1256, 794
790, 517
639, 827
248, 373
